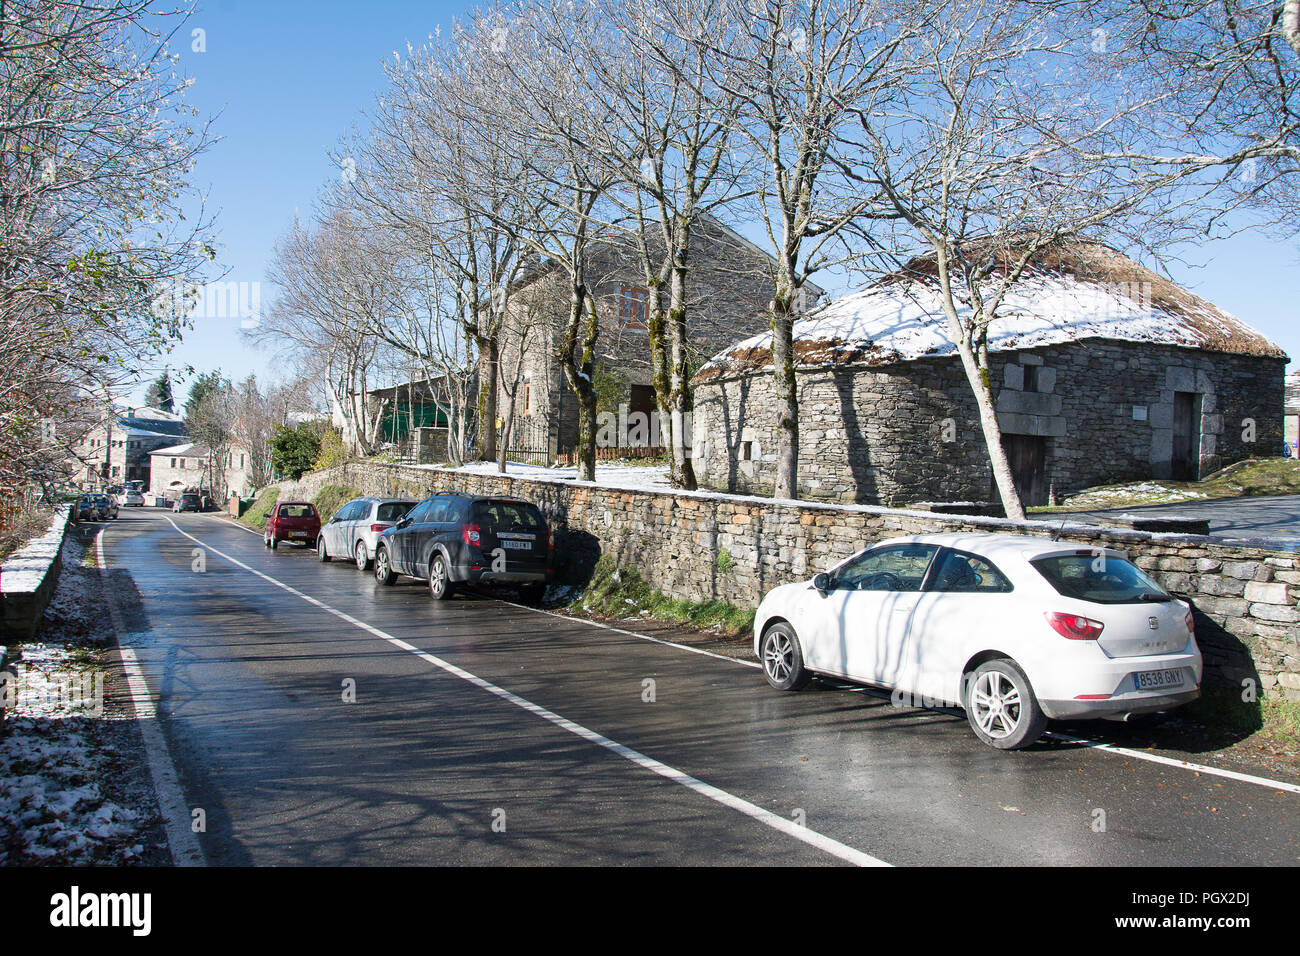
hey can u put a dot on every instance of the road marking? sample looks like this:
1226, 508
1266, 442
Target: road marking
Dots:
1175, 762
181, 840
952, 712
768, 818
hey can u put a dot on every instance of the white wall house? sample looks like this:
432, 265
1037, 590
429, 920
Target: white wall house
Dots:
188, 467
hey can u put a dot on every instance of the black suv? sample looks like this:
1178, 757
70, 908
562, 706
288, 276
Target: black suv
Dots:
453, 539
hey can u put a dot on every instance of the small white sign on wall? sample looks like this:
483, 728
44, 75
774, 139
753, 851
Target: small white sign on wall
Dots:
1139, 413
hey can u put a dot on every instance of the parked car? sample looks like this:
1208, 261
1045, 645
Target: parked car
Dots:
87, 509
295, 521
131, 499
189, 501
106, 507
455, 539
1014, 629
353, 531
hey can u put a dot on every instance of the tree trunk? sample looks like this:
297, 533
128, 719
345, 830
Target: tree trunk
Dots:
489, 357
681, 395
577, 362
787, 398
978, 377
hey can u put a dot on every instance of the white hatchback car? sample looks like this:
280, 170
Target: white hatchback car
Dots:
1015, 629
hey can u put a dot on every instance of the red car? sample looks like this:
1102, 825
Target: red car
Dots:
296, 521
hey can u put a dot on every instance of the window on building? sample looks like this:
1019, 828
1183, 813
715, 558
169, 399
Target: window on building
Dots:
633, 307
528, 398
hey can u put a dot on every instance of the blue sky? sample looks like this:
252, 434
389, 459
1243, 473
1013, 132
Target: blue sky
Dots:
287, 79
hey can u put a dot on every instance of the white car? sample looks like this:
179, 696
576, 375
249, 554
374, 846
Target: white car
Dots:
354, 529
1015, 629
131, 499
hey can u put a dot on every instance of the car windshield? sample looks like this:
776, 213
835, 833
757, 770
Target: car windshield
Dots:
1100, 578
392, 510
296, 511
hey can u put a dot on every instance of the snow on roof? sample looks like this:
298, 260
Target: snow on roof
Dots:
1085, 291
189, 448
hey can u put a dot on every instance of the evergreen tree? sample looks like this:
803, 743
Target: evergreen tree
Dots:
160, 394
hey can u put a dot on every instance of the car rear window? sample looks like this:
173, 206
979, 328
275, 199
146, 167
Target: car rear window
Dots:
297, 511
392, 510
507, 514
1102, 579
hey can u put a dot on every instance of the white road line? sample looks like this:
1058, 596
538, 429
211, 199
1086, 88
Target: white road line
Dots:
789, 827
1175, 762
181, 840
953, 712
1084, 741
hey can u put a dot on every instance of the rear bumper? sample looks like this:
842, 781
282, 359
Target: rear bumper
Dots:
470, 576
1117, 706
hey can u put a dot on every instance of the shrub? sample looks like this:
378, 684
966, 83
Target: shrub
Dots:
330, 498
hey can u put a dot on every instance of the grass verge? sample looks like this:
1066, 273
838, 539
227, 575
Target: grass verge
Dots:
622, 593
255, 517
332, 497
1264, 476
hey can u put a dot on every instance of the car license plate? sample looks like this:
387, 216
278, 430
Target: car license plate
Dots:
302, 534
517, 545
1148, 680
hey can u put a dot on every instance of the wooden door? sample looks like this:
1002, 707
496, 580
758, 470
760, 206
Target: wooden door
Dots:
1185, 460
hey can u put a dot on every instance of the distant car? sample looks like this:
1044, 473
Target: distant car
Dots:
106, 507
189, 501
132, 499
455, 539
295, 521
353, 531
87, 509
1015, 629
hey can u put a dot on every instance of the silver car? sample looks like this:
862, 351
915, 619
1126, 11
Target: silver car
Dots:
352, 532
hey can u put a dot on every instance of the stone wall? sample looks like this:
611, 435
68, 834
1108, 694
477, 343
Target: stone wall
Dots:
705, 546
909, 432
28, 578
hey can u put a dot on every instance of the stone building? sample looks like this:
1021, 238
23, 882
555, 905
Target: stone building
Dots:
1102, 371
117, 450
189, 467
730, 286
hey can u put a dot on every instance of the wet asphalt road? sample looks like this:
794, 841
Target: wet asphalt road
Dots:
427, 767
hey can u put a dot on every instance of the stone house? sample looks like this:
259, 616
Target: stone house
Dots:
730, 286
1102, 371
117, 450
189, 467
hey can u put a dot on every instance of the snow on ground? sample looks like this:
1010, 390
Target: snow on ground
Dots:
1142, 492
613, 474
72, 788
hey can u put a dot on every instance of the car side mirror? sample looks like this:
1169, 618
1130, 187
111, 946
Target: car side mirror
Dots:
822, 582
403, 521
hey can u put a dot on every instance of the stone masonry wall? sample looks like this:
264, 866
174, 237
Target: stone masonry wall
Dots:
909, 432
704, 546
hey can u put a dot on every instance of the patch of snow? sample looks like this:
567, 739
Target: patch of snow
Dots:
26, 568
904, 321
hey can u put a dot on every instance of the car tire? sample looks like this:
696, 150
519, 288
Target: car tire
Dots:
383, 570
361, 558
274, 543
782, 658
1001, 706
440, 584
321, 553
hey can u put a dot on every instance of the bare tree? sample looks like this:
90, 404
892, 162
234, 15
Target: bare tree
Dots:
801, 70
335, 287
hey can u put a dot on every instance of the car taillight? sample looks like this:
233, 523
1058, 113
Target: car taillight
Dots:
1191, 623
1074, 626
380, 526
470, 533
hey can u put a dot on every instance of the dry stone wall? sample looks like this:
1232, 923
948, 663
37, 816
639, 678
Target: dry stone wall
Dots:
702, 546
